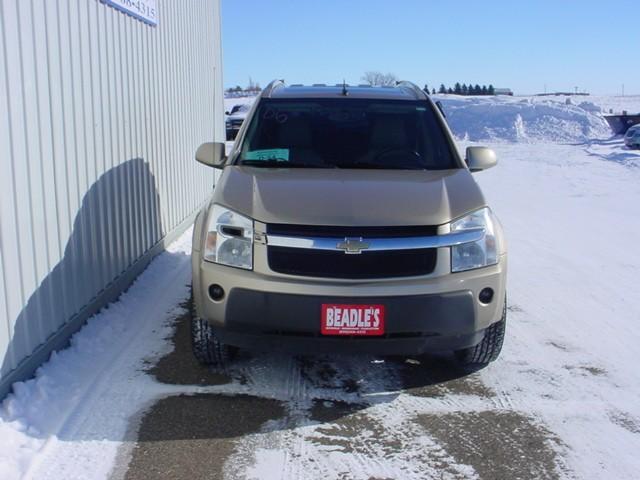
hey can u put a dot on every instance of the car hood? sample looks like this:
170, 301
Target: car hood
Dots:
348, 197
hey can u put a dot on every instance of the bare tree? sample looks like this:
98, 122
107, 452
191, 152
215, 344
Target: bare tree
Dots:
379, 79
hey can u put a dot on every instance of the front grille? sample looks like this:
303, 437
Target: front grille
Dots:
337, 264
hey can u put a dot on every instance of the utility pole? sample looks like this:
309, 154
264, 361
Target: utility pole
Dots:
623, 89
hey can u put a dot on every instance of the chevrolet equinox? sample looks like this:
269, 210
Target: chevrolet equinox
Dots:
345, 220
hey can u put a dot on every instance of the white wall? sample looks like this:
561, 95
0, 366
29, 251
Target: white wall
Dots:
100, 117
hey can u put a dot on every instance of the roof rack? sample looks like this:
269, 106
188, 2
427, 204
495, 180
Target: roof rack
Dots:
419, 93
408, 87
268, 90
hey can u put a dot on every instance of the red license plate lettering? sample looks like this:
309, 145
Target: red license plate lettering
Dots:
352, 319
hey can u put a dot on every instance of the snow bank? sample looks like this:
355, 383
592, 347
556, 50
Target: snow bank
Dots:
524, 120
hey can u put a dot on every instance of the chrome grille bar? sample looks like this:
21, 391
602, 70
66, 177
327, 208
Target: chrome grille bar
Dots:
379, 244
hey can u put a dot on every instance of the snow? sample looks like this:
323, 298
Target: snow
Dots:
573, 273
567, 193
517, 119
68, 396
617, 103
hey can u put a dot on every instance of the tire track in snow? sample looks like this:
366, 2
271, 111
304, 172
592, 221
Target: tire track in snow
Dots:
353, 422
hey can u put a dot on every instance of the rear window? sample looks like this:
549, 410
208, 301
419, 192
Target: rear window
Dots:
346, 133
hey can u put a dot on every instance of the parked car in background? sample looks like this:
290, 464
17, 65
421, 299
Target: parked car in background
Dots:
632, 137
235, 118
346, 221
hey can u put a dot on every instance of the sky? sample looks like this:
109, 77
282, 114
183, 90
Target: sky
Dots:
523, 45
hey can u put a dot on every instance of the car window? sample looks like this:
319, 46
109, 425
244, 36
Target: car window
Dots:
347, 133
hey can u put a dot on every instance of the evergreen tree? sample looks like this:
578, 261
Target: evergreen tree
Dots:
492, 91
484, 90
449, 90
477, 90
433, 91
464, 89
426, 88
457, 89
442, 88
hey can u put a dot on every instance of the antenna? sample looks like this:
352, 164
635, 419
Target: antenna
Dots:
344, 88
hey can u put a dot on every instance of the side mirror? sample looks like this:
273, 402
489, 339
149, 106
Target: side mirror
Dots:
211, 154
227, 112
480, 158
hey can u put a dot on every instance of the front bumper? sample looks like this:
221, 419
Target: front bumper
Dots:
415, 324
279, 312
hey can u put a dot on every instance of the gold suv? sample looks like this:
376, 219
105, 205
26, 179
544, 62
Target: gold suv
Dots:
345, 220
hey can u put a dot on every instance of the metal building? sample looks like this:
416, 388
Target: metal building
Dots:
103, 104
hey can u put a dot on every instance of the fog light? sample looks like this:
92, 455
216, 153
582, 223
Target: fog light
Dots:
216, 292
486, 295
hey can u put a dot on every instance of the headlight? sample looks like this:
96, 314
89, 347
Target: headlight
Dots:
229, 238
478, 254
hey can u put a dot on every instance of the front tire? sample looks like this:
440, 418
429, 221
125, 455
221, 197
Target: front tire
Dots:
207, 348
489, 348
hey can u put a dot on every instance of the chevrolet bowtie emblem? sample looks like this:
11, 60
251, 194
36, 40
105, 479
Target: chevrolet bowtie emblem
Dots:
352, 245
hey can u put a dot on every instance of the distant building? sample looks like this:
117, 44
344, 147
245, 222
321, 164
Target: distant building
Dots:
503, 91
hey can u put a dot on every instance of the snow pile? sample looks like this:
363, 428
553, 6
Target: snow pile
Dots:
524, 120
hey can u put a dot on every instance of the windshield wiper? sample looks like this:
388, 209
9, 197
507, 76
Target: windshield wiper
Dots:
279, 163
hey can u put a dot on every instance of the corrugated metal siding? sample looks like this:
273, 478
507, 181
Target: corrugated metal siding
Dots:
100, 116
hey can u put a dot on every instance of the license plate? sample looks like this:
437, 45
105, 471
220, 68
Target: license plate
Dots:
352, 319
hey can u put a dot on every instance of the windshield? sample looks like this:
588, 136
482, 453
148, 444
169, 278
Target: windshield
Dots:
346, 133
